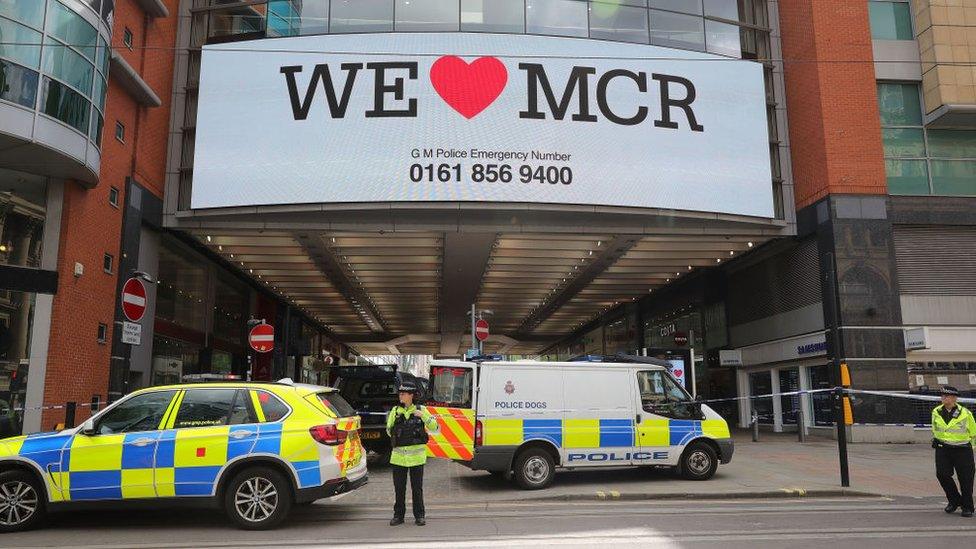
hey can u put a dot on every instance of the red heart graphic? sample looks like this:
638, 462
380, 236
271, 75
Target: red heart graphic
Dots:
468, 88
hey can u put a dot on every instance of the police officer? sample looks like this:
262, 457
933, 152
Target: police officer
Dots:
953, 431
407, 426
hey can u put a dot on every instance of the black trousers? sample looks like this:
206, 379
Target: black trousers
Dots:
416, 474
959, 459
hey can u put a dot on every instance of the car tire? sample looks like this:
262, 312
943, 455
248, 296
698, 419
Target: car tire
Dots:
258, 498
534, 469
22, 504
698, 462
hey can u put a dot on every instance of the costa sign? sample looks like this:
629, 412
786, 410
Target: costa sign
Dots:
480, 117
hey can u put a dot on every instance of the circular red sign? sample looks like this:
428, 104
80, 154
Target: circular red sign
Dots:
133, 299
261, 338
481, 329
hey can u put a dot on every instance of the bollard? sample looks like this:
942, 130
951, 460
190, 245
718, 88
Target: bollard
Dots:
755, 426
69, 415
801, 426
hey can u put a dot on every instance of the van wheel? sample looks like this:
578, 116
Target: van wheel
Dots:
534, 469
258, 498
21, 501
698, 462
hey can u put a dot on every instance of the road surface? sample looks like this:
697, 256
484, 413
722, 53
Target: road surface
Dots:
887, 523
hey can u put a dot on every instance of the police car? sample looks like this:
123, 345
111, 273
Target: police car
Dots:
531, 417
252, 449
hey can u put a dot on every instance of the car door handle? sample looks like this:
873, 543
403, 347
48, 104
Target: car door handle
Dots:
240, 434
143, 441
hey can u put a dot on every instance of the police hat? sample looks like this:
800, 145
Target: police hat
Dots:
949, 390
407, 386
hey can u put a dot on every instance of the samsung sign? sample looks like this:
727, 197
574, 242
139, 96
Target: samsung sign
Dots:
479, 117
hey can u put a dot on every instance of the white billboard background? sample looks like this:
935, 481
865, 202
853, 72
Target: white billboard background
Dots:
250, 150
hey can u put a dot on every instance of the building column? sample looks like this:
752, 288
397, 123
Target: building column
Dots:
777, 402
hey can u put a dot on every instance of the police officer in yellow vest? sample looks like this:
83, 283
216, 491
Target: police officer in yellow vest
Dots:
407, 426
954, 430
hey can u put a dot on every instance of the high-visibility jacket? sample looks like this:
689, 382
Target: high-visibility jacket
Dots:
410, 456
959, 431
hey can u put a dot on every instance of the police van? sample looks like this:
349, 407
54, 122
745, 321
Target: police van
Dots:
530, 417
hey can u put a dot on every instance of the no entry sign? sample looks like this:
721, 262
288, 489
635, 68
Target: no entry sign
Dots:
481, 329
133, 299
261, 338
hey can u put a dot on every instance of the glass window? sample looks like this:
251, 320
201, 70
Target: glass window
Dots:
907, 176
242, 411
726, 9
139, 413
903, 142
16, 43
102, 56
181, 288
337, 404
362, 16
760, 383
65, 104
621, 23
952, 143
890, 20
660, 395
493, 15
556, 17
98, 93
451, 386
677, 31
427, 15
722, 38
272, 407
29, 12
899, 104
205, 408
314, 17
823, 411
70, 28
66, 65
96, 128
18, 84
684, 6
231, 304
954, 177
171, 359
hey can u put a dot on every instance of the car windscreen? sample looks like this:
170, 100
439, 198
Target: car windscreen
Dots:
338, 405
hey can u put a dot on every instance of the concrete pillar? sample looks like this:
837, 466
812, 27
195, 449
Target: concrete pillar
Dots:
777, 401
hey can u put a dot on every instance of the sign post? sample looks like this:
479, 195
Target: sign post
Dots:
261, 338
134, 308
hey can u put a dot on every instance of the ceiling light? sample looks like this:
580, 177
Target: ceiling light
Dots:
749, 244
731, 252
231, 255
599, 243
220, 247
718, 260
689, 267
209, 239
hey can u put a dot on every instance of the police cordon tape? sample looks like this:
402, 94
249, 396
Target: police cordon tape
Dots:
910, 396
56, 407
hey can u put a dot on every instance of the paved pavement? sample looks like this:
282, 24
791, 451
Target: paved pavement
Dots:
777, 465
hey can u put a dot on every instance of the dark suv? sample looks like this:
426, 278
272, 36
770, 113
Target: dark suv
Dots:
372, 391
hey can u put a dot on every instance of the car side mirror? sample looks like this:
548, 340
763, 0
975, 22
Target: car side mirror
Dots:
88, 428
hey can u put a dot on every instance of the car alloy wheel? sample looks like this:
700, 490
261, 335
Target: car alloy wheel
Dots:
536, 469
256, 499
699, 462
18, 503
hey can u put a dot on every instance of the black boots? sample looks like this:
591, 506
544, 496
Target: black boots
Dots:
396, 521
421, 521
951, 508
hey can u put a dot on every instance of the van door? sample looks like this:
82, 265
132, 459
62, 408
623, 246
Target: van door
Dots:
667, 418
599, 418
451, 404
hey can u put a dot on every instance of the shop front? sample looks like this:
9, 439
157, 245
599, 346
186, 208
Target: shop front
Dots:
786, 365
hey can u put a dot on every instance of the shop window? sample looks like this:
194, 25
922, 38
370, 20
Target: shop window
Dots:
113, 196
921, 161
890, 20
760, 383
493, 15
102, 333
107, 263
127, 38
182, 288
427, 15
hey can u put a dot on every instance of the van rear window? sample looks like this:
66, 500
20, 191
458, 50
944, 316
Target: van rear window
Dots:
337, 404
451, 386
